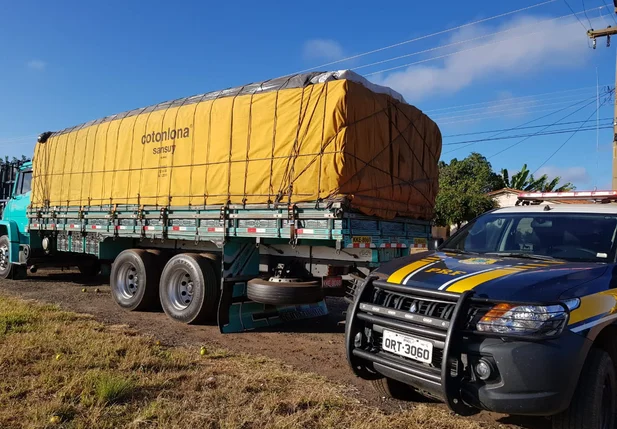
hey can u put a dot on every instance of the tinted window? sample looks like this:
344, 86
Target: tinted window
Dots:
572, 236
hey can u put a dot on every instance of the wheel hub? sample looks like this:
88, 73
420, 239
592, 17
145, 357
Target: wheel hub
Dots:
181, 288
4, 257
127, 280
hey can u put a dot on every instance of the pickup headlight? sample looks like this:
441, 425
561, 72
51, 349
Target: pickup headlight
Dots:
537, 320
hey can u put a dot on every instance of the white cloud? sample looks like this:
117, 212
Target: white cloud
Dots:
323, 49
38, 65
525, 52
575, 175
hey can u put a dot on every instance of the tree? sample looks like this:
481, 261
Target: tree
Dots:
463, 186
525, 181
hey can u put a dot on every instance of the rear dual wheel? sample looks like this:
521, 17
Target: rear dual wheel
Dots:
134, 279
189, 288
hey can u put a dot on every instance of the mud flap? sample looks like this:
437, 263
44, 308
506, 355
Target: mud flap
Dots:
236, 312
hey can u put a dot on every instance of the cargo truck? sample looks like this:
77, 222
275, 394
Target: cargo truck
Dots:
244, 206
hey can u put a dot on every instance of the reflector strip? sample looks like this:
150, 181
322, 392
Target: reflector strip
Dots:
215, 229
256, 230
305, 231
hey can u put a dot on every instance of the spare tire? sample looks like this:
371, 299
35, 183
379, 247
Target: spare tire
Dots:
284, 293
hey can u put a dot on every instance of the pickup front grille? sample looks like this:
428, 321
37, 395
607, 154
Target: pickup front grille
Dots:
414, 304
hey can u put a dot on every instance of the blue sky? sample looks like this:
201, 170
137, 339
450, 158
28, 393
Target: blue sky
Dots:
63, 63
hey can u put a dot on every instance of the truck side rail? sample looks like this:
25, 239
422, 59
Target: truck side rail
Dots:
295, 224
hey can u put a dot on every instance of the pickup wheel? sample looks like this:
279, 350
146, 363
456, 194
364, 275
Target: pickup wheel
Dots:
7, 269
189, 289
134, 280
284, 293
594, 403
389, 388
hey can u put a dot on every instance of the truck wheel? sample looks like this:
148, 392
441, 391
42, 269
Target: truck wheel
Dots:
283, 293
594, 404
90, 268
389, 388
189, 289
134, 279
7, 269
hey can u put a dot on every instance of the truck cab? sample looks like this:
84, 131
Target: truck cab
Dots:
15, 245
515, 313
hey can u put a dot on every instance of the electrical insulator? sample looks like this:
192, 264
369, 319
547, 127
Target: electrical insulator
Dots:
594, 43
608, 41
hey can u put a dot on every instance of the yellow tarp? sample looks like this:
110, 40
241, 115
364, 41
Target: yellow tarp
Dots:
322, 141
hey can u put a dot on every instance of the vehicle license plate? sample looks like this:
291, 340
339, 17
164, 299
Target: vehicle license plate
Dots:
406, 346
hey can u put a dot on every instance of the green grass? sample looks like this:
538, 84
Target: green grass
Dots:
112, 389
60, 369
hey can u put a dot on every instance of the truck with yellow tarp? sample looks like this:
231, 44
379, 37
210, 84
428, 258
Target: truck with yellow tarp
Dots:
247, 205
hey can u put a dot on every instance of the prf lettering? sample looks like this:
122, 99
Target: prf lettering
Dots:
445, 271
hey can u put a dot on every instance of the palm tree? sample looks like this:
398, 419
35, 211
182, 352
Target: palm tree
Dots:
525, 181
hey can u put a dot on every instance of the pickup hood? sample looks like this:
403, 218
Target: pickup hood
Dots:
506, 278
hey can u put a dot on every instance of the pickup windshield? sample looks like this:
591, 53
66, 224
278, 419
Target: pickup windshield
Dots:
569, 236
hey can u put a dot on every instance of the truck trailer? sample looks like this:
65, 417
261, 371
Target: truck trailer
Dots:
244, 206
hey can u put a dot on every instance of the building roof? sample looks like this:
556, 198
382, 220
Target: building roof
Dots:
504, 191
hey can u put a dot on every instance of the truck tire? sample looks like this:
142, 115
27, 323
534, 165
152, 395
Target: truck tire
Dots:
189, 289
7, 269
90, 268
134, 280
593, 405
394, 389
284, 293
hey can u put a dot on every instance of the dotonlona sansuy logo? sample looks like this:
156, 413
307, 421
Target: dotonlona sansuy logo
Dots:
170, 134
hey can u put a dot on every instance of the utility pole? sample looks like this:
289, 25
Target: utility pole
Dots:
593, 35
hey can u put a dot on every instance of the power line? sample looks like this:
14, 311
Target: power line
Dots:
513, 98
569, 7
484, 36
501, 115
455, 52
513, 101
527, 123
506, 114
612, 15
527, 138
568, 139
510, 108
585, 11
426, 36
516, 128
538, 134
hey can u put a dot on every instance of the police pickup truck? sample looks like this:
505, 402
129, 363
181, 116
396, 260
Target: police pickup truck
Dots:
515, 313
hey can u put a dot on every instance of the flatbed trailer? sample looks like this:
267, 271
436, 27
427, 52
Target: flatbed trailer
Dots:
332, 243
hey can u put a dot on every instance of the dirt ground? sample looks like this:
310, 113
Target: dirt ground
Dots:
314, 345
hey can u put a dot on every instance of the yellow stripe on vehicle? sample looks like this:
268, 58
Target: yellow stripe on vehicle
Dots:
595, 305
473, 281
399, 275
